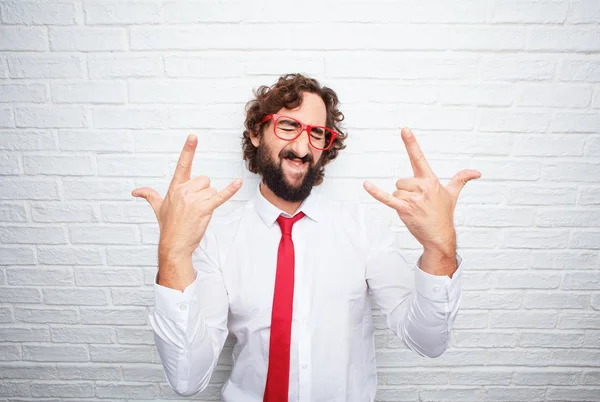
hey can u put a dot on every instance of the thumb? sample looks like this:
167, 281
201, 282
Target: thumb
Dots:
460, 179
153, 198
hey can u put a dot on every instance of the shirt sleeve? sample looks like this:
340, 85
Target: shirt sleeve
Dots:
420, 308
190, 327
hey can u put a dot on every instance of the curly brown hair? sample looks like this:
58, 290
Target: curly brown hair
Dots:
287, 92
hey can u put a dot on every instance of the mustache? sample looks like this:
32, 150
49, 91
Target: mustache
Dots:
291, 155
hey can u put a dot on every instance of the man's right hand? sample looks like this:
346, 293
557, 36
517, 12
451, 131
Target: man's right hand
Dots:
183, 215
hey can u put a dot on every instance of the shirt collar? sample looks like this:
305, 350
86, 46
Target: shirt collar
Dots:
269, 212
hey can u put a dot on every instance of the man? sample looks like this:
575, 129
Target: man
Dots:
289, 272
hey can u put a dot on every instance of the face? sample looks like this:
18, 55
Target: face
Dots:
290, 168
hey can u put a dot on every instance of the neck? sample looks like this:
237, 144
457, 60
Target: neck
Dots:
286, 206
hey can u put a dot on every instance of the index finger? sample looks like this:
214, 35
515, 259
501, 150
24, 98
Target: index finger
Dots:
183, 170
417, 159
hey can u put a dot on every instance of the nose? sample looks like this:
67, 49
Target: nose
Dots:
301, 145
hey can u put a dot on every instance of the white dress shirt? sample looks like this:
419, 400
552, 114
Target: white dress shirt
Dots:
341, 256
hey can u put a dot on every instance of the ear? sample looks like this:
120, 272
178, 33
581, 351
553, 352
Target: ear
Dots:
255, 139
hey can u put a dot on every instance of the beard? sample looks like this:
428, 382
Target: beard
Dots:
274, 178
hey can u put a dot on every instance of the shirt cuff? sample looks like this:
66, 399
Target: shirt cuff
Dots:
439, 287
172, 303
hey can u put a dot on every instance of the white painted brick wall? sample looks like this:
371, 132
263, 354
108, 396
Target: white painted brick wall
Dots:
97, 96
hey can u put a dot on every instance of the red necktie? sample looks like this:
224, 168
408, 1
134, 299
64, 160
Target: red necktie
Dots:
278, 376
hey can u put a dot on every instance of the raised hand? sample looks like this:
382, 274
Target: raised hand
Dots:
423, 204
183, 215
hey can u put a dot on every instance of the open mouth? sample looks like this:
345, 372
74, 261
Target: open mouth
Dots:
296, 164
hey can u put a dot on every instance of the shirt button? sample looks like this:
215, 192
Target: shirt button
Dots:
183, 307
436, 288
304, 366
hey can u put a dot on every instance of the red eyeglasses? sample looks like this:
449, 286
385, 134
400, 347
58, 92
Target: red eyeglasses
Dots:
288, 128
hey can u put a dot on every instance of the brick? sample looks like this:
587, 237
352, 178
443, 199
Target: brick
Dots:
498, 260
56, 353
95, 140
26, 141
120, 316
45, 276
535, 238
486, 38
34, 93
489, 94
592, 147
529, 11
130, 391
178, 91
10, 353
514, 393
132, 297
32, 235
24, 334
512, 68
81, 335
59, 165
493, 120
490, 300
221, 116
88, 372
499, 217
116, 354
571, 171
108, 277
551, 339
94, 234
28, 371
221, 64
261, 63
476, 280
87, 39
574, 122
10, 165
357, 65
51, 117
122, 12
5, 316
7, 119
3, 68
564, 259
564, 39
135, 336
47, 315
75, 296
577, 320
516, 170
124, 66
481, 376
209, 36
12, 213
581, 281
62, 255
17, 38
589, 239
523, 319
17, 256
14, 389
580, 70
63, 212
450, 394
98, 189
484, 339
549, 194
575, 357
128, 213
145, 373
562, 300
474, 238
131, 256
135, 165
39, 13
45, 66
471, 320
172, 142
98, 91
570, 96
518, 357
130, 117
577, 393
19, 295
79, 389
568, 218
584, 12
590, 377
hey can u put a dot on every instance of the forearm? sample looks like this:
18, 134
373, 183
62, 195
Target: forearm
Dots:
175, 272
439, 261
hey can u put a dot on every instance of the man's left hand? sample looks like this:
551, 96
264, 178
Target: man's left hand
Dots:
423, 204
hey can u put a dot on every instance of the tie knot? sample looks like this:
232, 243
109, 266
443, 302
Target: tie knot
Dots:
286, 223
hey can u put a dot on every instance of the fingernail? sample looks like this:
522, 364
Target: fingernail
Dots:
368, 185
237, 182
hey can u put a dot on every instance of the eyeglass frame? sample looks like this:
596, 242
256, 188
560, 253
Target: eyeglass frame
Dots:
307, 127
